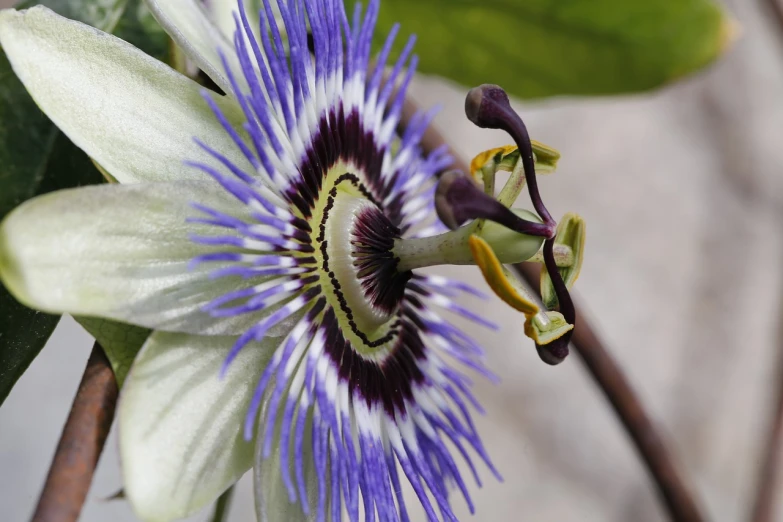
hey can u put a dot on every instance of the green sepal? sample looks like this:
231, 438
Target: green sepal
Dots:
544, 157
571, 233
121, 342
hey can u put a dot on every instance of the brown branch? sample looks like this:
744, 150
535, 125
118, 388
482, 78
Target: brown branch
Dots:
764, 506
767, 487
675, 490
777, 10
80, 444
672, 484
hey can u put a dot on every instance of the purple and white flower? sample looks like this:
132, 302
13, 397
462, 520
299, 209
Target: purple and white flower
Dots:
270, 239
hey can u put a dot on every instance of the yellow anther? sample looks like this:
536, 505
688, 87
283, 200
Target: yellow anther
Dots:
546, 157
482, 158
499, 279
542, 327
488, 163
542, 332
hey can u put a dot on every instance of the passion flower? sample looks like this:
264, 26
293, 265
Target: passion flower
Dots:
275, 257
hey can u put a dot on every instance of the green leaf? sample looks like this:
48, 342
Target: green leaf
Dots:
120, 341
23, 332
66, 166
26, 136
103, 14
138, 27
537, 48
36, 158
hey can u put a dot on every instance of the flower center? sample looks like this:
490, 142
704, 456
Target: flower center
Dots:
363, 263
354, 242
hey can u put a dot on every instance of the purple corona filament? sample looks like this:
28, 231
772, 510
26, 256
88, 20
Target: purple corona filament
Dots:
366, 406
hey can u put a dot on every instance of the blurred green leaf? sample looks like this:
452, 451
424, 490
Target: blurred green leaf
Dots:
120, 341
26, 137
37, 158
138, 27
537, 48
67, 166
103, 14
23, 332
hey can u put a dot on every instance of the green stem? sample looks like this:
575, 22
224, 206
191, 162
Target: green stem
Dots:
452, 248
447, 248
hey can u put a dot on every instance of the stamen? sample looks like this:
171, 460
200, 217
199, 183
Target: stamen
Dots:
488, 107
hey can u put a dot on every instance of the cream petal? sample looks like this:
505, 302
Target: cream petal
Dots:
222, 12
181, 440
190, 25
121, 252
131, 113
271, 494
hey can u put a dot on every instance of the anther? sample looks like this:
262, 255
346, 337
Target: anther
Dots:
488, 107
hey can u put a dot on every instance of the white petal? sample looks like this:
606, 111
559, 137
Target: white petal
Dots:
221, 13
133, 114
188, 24
120, 252
181, 425
271, 495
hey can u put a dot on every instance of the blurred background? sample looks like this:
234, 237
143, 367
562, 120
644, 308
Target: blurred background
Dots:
682, 191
